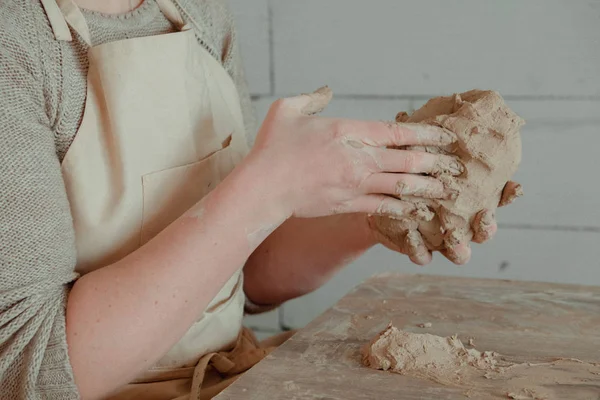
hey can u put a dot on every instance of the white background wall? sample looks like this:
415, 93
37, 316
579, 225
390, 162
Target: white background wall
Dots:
384, 56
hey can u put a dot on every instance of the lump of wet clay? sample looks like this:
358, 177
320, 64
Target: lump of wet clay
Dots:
489, 147
423, 355
488, 375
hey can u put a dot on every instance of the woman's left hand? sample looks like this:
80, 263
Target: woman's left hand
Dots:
485, 228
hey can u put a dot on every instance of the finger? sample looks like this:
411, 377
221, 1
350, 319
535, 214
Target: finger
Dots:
484, 226
382, 134
391, 240
417, 162
457, 248
310, 103
459, 255
416, 249
511, 191
389, 207
402, 116
400, 185
409, 242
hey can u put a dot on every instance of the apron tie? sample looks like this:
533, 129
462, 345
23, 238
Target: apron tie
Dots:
246, 353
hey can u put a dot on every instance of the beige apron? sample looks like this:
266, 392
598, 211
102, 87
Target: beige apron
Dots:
162, 127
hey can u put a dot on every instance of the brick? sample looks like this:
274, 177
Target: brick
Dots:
348, 108
252, 20
432, 47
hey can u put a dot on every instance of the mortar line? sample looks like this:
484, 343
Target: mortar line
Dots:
271, 48
262, 329
555, 228
418, 97
411, 105
281, 316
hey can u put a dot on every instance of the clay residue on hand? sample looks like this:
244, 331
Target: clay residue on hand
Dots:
320, 98
511, 191
488, 147
445, 360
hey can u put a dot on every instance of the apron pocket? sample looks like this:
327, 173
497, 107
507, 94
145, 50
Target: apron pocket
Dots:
169, 193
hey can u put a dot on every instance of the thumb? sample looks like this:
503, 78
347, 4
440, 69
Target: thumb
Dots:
511, 191
311, 103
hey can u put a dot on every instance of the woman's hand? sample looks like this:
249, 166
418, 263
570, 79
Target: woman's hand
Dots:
324, 166
484, 228
318, 167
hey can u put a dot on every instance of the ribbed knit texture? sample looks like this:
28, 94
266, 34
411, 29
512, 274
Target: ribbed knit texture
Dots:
42, 97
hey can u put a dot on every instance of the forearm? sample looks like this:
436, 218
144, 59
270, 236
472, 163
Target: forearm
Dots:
122, 318
302, 255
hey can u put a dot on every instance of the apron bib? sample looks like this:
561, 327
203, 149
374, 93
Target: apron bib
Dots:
162, 127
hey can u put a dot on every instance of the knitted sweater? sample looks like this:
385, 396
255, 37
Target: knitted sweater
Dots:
42, 97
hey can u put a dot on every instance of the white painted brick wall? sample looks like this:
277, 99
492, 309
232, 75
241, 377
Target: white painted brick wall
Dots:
392, 47
383, 56
252, 22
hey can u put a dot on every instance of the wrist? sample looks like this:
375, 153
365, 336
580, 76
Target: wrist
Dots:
269, 184
255, 202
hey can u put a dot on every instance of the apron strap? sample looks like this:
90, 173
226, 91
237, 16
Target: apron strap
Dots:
64, 13
171, 12
57, 21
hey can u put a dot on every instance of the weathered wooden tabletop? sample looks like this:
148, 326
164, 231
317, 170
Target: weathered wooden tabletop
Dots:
525, 321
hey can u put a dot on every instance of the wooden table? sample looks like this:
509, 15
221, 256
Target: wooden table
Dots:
528, 322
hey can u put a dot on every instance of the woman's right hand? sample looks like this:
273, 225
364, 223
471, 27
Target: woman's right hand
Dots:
323, 166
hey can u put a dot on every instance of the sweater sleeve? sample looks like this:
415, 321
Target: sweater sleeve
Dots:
37, 246
233, 62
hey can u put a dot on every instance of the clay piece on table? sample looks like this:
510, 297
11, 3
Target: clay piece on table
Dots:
487, 374
441, 359
489, 147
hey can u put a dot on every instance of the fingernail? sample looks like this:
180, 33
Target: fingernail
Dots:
452, 238
487, 218
413, 239
451, 194
392, 211
416, 248
511, 191
456, 167
448, 165
456, 258
395, 216
401, 188
422, 212
402, 116
448, 137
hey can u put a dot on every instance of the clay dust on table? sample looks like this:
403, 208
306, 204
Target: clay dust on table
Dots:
445, 360
489, 147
